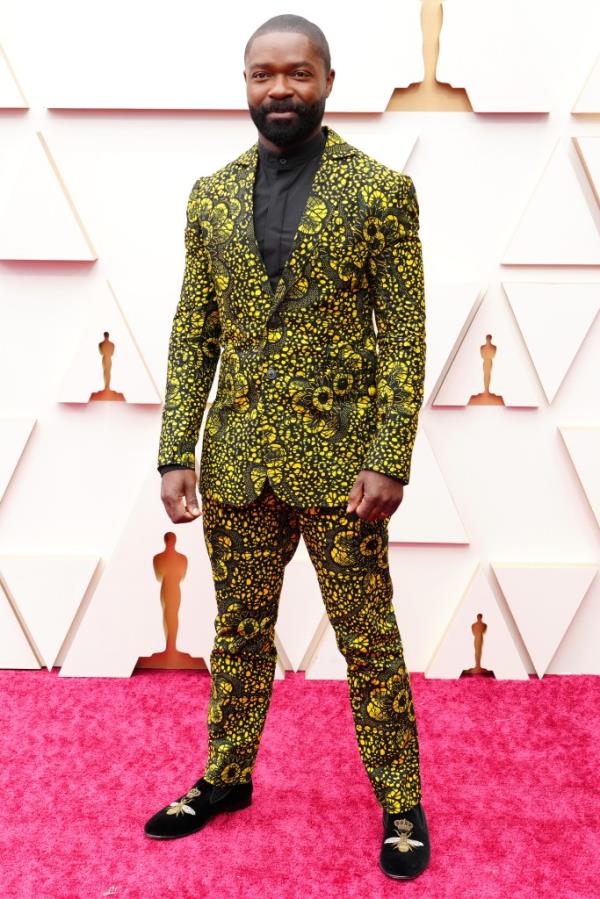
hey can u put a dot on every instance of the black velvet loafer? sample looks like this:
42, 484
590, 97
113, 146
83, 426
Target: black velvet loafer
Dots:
405, 849
195, 808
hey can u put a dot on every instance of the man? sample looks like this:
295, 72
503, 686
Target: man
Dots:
290, 250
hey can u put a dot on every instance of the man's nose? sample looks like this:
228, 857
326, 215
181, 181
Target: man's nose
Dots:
280, 87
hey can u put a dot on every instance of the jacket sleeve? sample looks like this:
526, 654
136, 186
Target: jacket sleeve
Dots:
194, 349
398, 294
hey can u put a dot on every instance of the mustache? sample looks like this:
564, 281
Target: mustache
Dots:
283, 106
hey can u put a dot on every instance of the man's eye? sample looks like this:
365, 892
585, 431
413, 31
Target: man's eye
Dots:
301, 74
259, 75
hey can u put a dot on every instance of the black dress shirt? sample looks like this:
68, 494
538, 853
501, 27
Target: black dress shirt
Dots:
281, 188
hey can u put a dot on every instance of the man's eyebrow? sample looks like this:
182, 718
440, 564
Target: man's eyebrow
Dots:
292, 65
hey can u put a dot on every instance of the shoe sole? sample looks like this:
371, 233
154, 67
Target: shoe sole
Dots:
403, 876
178, 836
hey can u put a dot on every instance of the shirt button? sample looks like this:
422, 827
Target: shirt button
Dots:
272, 373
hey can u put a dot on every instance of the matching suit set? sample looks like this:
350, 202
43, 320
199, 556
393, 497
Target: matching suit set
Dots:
289, 267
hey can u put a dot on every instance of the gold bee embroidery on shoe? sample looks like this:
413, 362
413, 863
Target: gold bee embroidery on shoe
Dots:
402, 842
180, 805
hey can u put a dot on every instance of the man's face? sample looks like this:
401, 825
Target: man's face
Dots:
286, 86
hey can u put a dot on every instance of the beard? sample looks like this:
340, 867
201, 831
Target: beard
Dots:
283, 132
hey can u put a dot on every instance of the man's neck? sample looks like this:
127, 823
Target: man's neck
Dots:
274, 148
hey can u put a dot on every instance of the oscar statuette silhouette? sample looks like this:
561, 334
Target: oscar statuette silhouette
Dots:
478, 629
106, 348
487, 351
170, 568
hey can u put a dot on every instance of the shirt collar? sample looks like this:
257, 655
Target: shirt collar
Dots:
295, 156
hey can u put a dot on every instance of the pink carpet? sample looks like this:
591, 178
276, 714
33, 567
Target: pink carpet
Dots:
510, 774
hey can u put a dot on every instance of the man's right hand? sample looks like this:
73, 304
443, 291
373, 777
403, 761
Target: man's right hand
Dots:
178, 493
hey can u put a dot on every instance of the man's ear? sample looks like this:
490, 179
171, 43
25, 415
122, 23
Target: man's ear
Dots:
330, 80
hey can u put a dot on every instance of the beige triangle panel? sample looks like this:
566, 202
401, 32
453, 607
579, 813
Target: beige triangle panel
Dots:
583, 446
108, 364
557, 226
47, 590
14, 434
154, 600
543, 600
39, 220
477, 639
554, 319
428, 513
491, 366
15, 648
451, 310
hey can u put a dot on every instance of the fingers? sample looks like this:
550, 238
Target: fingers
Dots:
379, 495
356, 494
372, 508
191, 500
178, 493
369, 506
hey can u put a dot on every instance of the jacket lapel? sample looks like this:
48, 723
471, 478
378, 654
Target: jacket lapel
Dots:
312, 220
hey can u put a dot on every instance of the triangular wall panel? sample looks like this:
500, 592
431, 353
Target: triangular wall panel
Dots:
129, 374
557, 226
452, 309
583, 445
15, 650
123, 619
455, 651
543, 601
427, 513
14, 434
47, 591
39, 220
512, 375
554, 319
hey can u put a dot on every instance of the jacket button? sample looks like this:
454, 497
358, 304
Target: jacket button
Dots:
272, 373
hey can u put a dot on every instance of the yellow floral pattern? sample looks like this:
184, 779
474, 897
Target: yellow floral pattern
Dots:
350, 557
309, 393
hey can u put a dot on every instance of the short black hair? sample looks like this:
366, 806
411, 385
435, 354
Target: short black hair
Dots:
290, 22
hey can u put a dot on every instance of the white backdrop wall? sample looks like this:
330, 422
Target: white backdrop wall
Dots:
108, 117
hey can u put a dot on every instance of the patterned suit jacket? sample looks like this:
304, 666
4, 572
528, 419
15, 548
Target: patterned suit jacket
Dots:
309, 393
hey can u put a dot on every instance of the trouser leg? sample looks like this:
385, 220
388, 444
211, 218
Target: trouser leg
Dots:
249, 547
350, 557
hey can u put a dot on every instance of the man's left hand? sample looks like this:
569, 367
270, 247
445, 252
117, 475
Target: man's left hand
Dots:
374, 495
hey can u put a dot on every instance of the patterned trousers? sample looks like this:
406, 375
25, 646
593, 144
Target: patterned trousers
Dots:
249, 547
